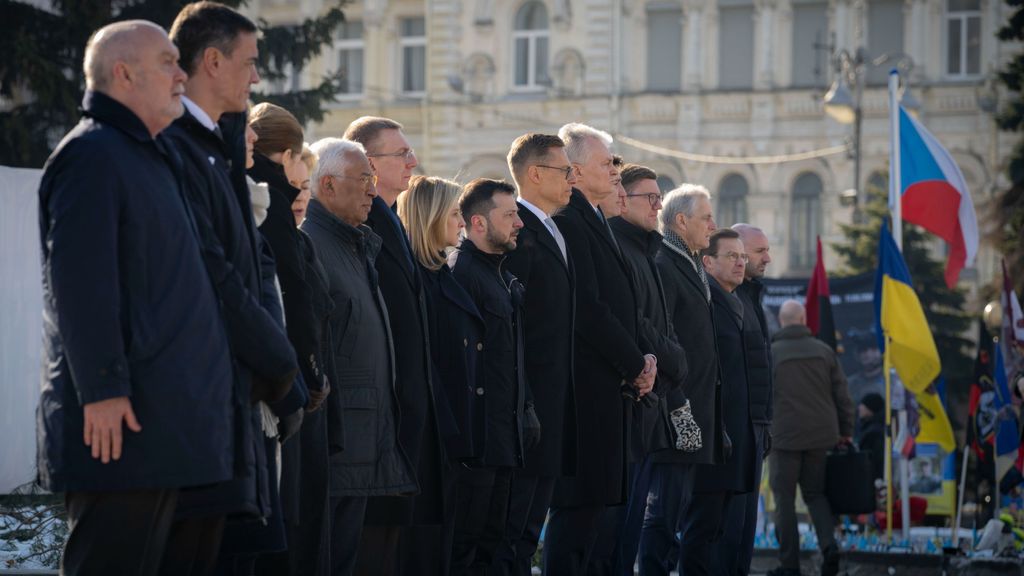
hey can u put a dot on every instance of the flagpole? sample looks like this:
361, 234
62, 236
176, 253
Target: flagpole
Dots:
888, 442
960, 500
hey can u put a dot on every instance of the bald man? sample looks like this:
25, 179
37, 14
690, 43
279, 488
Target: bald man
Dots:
136, 394
813, 412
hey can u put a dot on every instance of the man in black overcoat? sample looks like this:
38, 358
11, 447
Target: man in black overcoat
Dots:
607, 357
136, 396
418, 518
686, 225
543, 265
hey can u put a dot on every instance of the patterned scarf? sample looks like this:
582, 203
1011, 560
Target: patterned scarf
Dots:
678, 245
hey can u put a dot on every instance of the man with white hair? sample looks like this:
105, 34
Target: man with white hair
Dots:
609, 361
136, 398
362, 409
686, 225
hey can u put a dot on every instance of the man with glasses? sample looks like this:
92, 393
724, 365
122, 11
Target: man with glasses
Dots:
543, 264
366, 458
393, 160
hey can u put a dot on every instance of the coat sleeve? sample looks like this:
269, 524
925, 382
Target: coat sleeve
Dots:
257, 340
83, 207
298, 395
595, 323
841, 396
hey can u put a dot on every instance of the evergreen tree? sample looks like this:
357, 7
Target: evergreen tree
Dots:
41, 52
943, 307
1008, 208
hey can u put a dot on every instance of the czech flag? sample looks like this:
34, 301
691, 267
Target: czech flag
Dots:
934, 194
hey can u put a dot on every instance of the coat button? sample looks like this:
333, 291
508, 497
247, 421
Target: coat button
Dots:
465, 343
480, 391
479, 346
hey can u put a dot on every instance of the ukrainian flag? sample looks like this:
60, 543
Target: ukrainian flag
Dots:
907, 341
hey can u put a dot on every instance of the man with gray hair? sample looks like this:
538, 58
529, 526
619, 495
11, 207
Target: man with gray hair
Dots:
686, 224
362, 409
136, 396
609, 359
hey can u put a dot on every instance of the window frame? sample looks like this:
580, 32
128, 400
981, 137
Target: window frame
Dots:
350, 44
801, 251
964, 17
411, 42
531, 36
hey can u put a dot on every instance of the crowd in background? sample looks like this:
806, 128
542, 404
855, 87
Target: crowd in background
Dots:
267, 357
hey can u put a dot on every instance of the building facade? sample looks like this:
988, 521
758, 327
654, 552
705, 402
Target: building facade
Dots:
734, 78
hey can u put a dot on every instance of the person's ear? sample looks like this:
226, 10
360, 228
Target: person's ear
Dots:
212, 60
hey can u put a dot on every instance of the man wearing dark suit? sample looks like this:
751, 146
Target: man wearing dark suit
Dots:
420, 517
608, 360
686, 224
542, 263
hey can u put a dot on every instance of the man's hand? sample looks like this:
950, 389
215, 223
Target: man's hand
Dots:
103, 426
317, 397
644, 383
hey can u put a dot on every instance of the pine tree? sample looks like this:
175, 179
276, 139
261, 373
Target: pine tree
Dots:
1008, 207
943, 307
41, 52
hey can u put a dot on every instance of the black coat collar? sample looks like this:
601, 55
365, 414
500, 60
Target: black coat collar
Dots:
648, 241
532, 222
266, 170
101, 107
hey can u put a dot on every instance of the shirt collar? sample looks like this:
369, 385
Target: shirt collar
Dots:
533, 208
199, 113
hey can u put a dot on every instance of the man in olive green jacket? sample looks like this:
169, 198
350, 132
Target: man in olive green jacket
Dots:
813, 412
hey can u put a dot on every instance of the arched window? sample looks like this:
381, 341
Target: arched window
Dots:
806, 220
732, 200
665, 184
530, 47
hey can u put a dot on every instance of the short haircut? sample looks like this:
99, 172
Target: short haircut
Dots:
681, 200
576, 136
717, 236
529, 149
634, 173
424, 208
478, 197
366, 129
332, 158
111, 44
202, 25
277, 128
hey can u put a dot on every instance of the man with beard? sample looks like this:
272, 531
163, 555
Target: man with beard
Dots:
492, 224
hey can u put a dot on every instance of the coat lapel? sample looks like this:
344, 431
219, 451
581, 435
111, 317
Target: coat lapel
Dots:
531, 221
393, 245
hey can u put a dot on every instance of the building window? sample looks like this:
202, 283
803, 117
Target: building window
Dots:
664, 47
350, 49
885, 36
963, 38
806, 222
413, 45
530, 47
810, 37
736, 44
732, 200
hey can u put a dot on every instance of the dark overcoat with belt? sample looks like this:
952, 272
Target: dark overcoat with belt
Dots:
606, 356
693, 321
129, 310
402, 289
549, 308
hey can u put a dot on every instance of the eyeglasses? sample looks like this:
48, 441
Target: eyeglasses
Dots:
651, 197
732, 256
407, 154
565, 170
366, 179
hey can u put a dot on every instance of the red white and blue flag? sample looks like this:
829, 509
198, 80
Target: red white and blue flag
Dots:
935, 196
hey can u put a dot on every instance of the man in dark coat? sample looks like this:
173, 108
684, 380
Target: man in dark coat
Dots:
393, 160
815, 413
607, 358
132, 334
218, 50
686, 224
734, 552
543, 265
510, 424
717, 485
637, 232
362, 411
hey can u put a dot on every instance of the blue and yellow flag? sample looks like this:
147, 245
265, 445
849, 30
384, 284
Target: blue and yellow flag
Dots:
905, 337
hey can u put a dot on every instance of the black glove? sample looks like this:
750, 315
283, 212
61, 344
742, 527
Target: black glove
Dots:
289, 424
531, 428
726, 445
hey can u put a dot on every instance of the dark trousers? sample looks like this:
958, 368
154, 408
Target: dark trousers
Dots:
118, 532
735, 550
668, 499
570, 538
619, 535
347, 515
481, 512
702, 529
528, 508
378, 551
806, 468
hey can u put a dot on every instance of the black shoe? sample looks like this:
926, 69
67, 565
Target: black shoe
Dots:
830, 563
783, 571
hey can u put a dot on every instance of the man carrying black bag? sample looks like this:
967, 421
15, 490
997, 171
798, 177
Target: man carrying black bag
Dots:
813, 412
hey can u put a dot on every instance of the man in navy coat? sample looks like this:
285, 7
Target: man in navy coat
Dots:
136, 396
